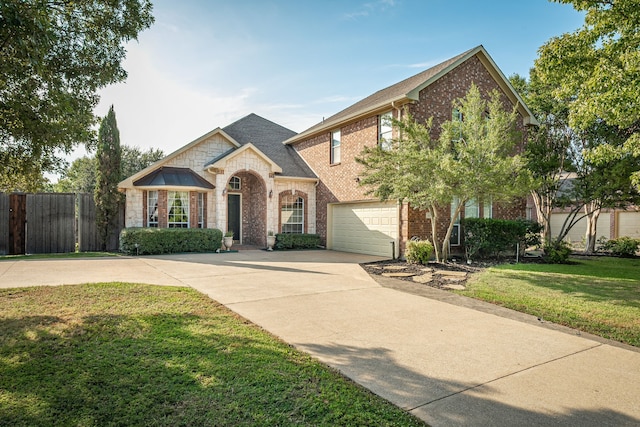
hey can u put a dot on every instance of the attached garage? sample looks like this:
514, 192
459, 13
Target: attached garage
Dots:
365, 228
576, 234
628, 224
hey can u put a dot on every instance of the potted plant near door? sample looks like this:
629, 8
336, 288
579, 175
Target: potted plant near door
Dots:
271, 240
228, 239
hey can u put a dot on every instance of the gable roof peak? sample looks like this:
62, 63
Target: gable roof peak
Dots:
408, 90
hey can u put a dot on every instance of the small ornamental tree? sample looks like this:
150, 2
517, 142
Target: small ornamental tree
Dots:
473, 158
108, 175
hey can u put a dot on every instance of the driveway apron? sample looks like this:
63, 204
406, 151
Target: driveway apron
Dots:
447, 364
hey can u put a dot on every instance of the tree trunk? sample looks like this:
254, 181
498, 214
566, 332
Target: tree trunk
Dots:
543, 214
593, 213
447, 237
434, 232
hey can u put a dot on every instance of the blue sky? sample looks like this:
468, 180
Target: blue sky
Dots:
207, 63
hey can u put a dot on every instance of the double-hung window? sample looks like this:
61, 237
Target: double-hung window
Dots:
335, 147
200, 210
178, 206
385, 131
152, 208
292, 214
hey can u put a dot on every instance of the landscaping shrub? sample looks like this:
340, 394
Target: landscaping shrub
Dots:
419, 252
154, 241
557, 252
622, 246
296, 241
487, 237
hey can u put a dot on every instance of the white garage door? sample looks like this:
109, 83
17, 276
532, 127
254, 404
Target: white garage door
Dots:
576, 234
365, 228
629, 224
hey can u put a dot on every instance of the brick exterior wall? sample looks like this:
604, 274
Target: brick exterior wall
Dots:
338, 182
254, 209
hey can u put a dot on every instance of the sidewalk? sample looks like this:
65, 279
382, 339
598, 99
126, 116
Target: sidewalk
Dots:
446, 363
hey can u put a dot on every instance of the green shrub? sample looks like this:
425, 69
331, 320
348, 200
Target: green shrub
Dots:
419, 252
557, 252
296, 241
154, 241
487, 237
622, 246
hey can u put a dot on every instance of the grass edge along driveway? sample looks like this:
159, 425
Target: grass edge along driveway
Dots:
140, 355
598, 295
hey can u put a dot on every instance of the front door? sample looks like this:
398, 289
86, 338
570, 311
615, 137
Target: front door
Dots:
233, 215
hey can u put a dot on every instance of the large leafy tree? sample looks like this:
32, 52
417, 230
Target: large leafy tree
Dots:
594, 73
54, 56
596, 70
547, 152
108, 175
474, 158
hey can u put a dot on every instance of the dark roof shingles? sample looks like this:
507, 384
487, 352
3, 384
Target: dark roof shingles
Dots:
268, 137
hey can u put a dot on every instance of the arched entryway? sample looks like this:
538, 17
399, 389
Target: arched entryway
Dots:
247, 208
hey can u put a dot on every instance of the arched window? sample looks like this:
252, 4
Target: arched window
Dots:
234, 183
292, 214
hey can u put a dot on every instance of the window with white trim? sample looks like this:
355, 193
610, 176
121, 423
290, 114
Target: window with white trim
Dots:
487, 208
235, 183
385, 131
152, 208
178, 207
292, 214
335, 146
454, 240
200, 210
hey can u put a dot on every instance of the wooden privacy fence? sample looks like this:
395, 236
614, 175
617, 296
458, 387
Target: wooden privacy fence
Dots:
50, 223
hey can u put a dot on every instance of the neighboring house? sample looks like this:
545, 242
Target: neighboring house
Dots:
240, 178
612, 223
254, 176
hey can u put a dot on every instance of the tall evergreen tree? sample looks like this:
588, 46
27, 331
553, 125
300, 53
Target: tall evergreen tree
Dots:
108, 175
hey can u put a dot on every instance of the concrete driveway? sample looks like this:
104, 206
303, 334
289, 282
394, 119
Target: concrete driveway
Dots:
447, 363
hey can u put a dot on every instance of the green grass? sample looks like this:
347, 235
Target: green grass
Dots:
138, 355
596, 295
60, 256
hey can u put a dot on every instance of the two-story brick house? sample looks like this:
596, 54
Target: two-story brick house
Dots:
255, 176
348, 219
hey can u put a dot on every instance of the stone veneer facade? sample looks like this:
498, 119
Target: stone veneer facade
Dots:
260, 191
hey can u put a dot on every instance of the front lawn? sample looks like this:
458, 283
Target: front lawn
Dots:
140, 355
599, 295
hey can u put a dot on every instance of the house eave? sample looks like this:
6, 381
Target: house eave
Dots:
329, 125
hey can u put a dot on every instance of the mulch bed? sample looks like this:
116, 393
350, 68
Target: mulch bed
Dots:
438, 275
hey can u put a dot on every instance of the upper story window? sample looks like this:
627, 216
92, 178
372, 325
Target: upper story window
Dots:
385, 131
235, 183
178, 202
292, 214
457, 118
152, 208
335, 147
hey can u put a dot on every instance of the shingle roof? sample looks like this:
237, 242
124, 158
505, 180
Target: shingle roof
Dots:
405, 90
268, 137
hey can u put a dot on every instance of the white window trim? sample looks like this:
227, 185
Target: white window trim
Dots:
336, 135
292, 206
385, 130
170, 201
151, 210
200, 210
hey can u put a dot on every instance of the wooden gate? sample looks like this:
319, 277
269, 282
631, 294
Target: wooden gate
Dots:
51, 223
